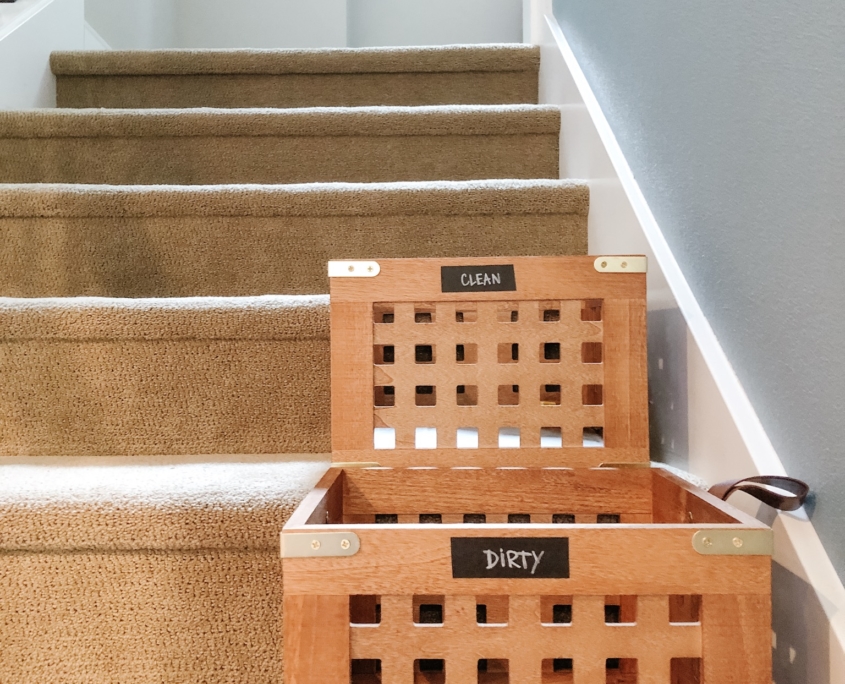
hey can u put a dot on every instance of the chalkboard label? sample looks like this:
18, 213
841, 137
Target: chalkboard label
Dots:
540, 557
477, 278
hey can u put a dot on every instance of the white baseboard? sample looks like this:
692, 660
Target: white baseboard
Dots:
708, 408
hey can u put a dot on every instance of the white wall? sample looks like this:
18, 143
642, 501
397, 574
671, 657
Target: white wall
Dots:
29, 31
433, 22
158, 24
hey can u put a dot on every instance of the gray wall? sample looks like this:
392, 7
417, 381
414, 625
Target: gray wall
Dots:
732, 117
433, 22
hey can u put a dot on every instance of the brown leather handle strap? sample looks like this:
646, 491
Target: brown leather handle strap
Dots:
757, 487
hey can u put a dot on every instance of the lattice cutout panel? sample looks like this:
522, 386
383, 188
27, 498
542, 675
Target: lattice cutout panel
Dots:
553, 368
527, 640
504, 374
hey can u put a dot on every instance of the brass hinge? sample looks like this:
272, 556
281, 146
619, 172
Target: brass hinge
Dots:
621, 264
720, 542
353, 269
319, 544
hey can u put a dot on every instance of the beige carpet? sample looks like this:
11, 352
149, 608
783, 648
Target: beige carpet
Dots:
456, 74
141, 241
147, 571
212, 146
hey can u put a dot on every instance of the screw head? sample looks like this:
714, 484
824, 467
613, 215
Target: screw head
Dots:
707, 541
737, 542
604, 264
351, 268
344, 544
624, 264
315, 544
369, 269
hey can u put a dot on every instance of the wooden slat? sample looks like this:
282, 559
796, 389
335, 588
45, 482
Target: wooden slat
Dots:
316, 637
326, 497
352, 376
487, 490
603, 559
677, 501
736, 633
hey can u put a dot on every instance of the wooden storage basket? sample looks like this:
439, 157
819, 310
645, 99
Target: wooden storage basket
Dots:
492, 517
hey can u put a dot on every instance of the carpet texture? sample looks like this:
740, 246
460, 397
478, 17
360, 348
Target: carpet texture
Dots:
144, 571
455, 74
164, 376
142, 241
213, 146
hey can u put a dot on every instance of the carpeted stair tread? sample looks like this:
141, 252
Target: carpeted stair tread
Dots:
131, 504
134, 571
165, 241
90, 376
449, 74
214, 146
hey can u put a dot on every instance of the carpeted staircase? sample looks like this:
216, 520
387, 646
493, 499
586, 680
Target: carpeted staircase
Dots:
164, 328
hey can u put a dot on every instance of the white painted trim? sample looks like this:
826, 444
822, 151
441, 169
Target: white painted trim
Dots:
726, 436
13, 16
92, 40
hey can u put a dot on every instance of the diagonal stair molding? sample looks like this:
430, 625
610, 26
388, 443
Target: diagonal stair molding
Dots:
724, 435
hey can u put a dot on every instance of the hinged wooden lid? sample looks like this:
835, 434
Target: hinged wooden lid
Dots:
525, 361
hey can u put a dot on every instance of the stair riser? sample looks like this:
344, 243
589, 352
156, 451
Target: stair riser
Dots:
296, 90
290, 159
181, 256
164, 396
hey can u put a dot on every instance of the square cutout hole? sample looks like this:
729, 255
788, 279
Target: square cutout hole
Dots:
466, 353
491, 610
386, 519
556, 610
591, 395
563, 518
425, 395
429, 671
431, 518
685, 671
364, 610
474, 518
621, 671
684, 608
620, 610
519, 518
424, 314
549, 395
466, 395
549, 314
551, 438
364, 671
425, 438
424, 353
466, 313
384, 438
507, 312
591, 352
383, 354
508, 352
509, 438
508, 395
593, 437
608, 518
550, 352
467, 438
591, 310
428, 610
556, 671
383, 313
493, 671
384, 395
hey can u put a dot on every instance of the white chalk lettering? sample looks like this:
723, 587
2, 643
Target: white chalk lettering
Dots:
492, 558
536, 560
497, 278
466, 279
